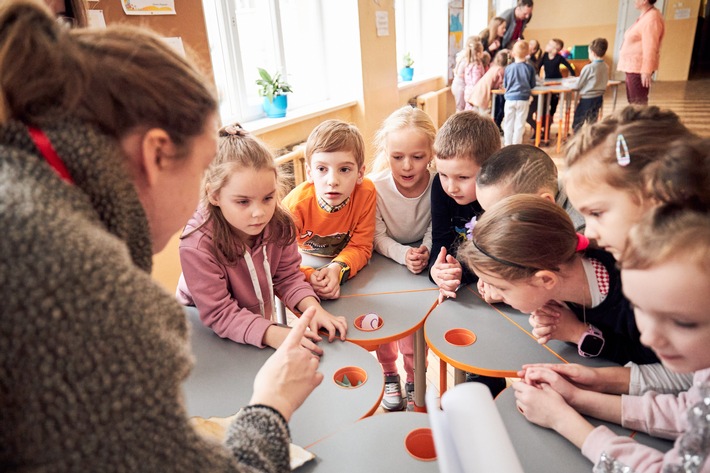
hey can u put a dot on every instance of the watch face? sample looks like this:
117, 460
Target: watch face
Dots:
591, 344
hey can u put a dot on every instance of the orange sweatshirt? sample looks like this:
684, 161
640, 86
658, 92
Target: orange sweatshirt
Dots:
346, 235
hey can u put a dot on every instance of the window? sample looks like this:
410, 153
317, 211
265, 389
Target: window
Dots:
278, 35
423, 31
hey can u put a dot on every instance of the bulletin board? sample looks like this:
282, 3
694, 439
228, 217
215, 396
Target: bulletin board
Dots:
188, 23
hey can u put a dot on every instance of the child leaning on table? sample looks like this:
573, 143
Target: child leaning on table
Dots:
518, 81
666, 273
592, 85
480, 96
334, 210
403, 177
239, 248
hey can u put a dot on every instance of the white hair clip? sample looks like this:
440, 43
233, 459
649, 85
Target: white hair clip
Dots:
622, 151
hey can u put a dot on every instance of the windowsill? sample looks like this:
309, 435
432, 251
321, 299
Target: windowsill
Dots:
404, 85
264, 125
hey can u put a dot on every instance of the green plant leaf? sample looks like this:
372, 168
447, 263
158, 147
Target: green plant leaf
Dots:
270, 86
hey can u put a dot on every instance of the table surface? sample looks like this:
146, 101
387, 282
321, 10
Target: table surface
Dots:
222, 379
501, 346
371, 445
535, 445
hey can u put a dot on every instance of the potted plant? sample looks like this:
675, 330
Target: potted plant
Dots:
273, 89
407, 72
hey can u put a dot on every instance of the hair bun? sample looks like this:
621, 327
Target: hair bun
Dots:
235, 129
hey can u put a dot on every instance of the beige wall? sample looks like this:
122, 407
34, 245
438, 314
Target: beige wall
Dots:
577, 22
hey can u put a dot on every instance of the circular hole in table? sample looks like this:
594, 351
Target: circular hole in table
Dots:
460, 337
420, 444
350, 377
368, 322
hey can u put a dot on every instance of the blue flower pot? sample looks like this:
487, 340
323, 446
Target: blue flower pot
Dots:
406, 73
277, 108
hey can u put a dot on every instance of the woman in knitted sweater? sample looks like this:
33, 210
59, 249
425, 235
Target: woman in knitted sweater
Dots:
100, 163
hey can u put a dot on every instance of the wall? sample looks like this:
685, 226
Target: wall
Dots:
575, 22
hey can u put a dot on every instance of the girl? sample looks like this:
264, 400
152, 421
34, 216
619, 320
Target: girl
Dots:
480, 97
492, 36
405, 144
666, 273
526, 250
472, 65
457, 84
239, 248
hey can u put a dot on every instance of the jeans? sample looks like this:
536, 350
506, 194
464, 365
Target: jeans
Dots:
587, 111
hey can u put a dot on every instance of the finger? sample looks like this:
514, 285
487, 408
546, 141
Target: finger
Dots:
293, 339
308, 344
451, 260
342, 325
441, 258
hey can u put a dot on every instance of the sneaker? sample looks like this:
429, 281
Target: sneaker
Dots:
495, 385
409, 390
392, 400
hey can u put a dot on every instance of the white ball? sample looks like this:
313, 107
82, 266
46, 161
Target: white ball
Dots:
370, 321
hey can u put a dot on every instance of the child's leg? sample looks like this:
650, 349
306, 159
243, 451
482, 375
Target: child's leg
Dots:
387, 356
509, 122
595, 107
392, 399
521, 114
554, 100
580, 114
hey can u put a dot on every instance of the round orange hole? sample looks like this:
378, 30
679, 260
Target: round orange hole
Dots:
350, 377
460, 337
368, 322
420, 444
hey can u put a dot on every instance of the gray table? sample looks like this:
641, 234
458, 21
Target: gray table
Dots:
374, 444
544, 450
222, 379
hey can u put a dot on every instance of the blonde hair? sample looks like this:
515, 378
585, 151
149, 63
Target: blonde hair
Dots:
336, 135
520, 49
400, 119
517, 237
467, 135
238, 150
591, 156
502, 58
492, 31
526, 169
119, 79
473, 48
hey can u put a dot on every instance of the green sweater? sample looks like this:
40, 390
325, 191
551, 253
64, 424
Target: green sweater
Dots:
92, 351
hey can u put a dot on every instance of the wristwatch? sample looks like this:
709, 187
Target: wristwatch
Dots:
344, 271
591, 342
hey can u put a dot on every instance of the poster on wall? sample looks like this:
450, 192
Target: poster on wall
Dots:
148, 7
455, 33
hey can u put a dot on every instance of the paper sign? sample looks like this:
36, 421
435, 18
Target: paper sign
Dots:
382, 20
148, 7
96, 18
176, 44
681, 14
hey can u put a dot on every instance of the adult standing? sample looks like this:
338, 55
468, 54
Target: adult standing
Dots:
492, 37
100, 163
516, 19
640, 51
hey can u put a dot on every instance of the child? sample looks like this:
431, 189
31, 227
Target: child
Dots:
518, 82
334, 210
592, 85
405, 145
464, 142
527, 252
535, 53
550, 63
239, 249
480, 97
665, 274
457, 84
474, 69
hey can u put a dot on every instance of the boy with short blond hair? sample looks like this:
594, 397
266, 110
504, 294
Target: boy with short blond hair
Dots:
518, 82
592, 85
334, 210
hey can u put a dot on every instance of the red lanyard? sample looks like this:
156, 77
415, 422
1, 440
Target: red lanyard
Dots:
50, 155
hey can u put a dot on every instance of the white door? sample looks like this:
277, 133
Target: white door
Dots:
627, 16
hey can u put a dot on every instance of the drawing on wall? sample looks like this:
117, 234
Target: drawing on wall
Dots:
148, 7
455, 33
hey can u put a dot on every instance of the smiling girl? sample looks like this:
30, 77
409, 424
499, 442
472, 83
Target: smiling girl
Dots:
239, 249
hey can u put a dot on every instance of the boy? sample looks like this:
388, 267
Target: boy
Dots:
334, 210
521, 169
551, 62
518, 82
592, 85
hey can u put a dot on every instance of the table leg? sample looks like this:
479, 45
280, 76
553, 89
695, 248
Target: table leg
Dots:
419, 371
459, 376
493, 105
443, 381
547, 117
538, 119
614, 91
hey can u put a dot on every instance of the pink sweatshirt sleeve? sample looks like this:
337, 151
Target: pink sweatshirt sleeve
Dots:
660, 415
290, 284
622, 449
651, 37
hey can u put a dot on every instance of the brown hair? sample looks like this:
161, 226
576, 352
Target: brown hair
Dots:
467, 135
492, 31
502, 58
525, 169
400, 119
599, 46
560, 44
238, 150
521, 49
336, 135
591, 155
669, 232
517, 237
119, 78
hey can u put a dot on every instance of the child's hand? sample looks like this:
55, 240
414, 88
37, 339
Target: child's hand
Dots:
537, 376
485, 293
326, 282
275, 335
290, 374
553, 321
581, 376
417, 259
542, 405
446, 273
325, 320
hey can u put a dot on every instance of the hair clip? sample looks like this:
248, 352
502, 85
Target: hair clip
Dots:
582, 242
233, 129
621, 146
469, 229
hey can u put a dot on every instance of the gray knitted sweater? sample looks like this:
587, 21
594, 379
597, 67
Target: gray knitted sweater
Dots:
92, 351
